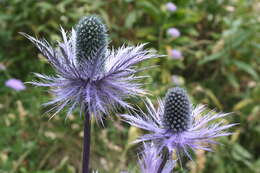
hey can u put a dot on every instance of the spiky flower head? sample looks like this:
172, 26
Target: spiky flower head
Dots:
151, 160
90, 37
88, 73
177, 110
178, 126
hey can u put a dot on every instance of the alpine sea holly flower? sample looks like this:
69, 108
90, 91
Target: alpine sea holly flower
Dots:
171, 7
173, 32
178, 126
151, 160
88, 74
15, 84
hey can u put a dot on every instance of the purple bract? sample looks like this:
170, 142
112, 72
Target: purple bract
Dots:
152, 159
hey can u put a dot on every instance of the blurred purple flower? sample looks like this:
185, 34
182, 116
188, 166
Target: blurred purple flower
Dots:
173, 32
99, 82
176, 54
177, 125
171, 7
152, 159
15, 84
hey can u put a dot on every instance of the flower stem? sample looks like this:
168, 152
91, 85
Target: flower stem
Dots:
164, 161
86, 143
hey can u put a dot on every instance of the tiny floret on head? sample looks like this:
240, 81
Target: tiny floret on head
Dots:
91, 37
177, 110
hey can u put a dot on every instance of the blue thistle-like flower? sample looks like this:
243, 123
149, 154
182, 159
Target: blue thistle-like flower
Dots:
88, 74
152, 159
178, 126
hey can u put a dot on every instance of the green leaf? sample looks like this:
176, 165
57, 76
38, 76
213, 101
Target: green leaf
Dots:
215, 100
213, 57
150, 9
237, 39
144, 31
241, 153
130, 19
233, 80
247, 68
243, 103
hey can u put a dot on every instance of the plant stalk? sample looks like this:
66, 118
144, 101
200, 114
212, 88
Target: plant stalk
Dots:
86, 143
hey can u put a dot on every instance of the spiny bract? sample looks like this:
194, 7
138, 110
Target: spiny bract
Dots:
152, 160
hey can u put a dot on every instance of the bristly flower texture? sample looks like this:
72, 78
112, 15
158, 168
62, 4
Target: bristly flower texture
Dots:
88, 74
152, 159
178, 126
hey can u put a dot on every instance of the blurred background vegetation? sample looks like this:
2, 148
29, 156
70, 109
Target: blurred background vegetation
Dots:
219, 66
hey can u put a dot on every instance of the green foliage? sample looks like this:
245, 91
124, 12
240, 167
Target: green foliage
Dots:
220, 44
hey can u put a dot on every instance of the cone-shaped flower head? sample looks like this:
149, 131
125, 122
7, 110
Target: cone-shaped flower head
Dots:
90, 37
151, 160
178, 126
88, 73
177, 110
